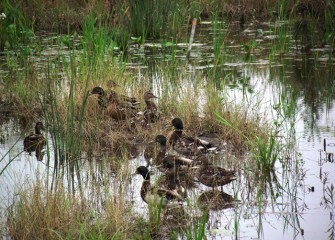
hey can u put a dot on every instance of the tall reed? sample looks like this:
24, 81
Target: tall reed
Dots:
153, 19
15, 28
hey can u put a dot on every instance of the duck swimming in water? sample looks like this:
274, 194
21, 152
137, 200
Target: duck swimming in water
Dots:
212, 176
150, 194
35, 142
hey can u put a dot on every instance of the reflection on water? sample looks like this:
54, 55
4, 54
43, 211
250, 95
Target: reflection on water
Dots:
296, 201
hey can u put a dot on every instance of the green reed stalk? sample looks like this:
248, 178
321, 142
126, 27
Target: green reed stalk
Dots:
330, 25
14, 28
218, 44
155, 210
12, 159
282, 29
200, 232
268, 153
260, 214
153, 19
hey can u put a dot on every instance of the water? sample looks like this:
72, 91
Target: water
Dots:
302, 208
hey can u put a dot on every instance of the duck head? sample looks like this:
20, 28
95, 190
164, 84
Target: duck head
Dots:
161, 140
148, 95
98, 90
39, 127
178, 123
144, 171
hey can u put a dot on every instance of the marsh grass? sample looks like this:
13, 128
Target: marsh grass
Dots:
155, 209
152, 19
40, 207
39, 212
197, 229
15, 28
219, 38
77, 126
268, 154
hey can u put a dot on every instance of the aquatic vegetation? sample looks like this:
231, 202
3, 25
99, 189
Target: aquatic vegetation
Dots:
15, 28
92, 152
65, 215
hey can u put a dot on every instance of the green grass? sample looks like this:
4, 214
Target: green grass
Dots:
15, 28
197, 231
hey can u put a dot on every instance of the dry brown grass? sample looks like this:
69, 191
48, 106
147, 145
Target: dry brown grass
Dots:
101, 133
40, 213
43, 214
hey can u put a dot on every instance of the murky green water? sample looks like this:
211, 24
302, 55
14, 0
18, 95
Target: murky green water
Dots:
302, 207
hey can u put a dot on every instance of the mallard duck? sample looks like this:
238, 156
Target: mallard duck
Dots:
118, 110
123, 98
102, 97
176, 169
150, 194
215, 200
168, 161
150, 113
212, 176
112, 105
187, 145
35, 142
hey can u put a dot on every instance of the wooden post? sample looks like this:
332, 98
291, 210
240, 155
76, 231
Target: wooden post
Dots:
194, 23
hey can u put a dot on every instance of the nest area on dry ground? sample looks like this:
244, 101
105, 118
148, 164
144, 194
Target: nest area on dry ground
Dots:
103, 133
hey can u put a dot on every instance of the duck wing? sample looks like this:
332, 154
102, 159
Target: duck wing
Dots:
169, 194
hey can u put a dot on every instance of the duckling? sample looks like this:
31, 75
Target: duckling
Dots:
150, 194
212, 176
150, 113
35, 142
184, 144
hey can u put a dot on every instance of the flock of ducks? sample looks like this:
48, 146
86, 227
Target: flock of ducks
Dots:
183, 169
186, 164
121, 107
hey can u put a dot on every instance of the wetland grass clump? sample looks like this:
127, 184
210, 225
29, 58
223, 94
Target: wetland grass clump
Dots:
268, 153
15, 28
198, 229
41, 213
58, 212
153, 19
